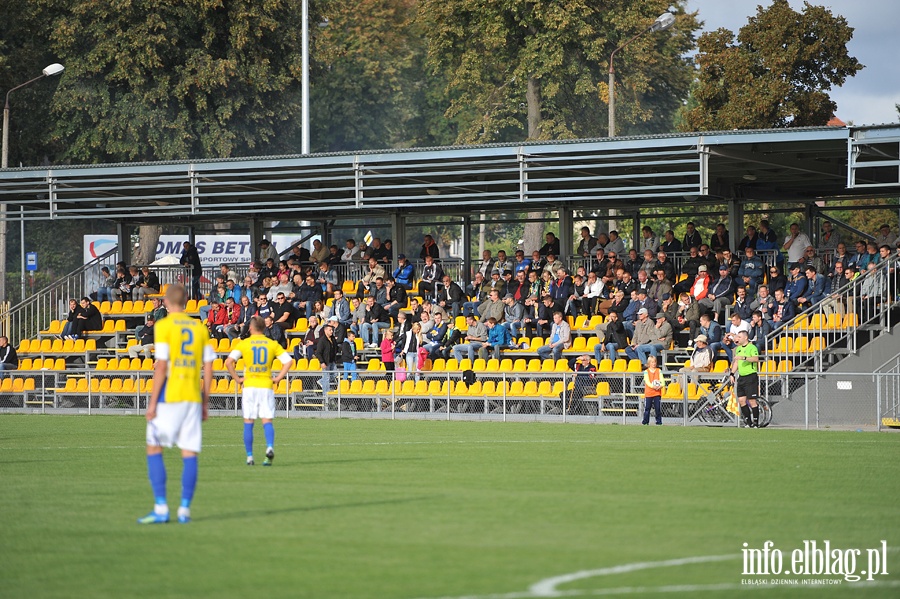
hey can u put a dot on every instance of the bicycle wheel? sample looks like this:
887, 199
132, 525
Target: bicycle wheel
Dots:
765, 413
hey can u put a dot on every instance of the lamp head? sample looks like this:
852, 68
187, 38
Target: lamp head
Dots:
663, 22
54, 69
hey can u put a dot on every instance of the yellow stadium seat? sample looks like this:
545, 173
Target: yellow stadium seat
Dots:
70, 385
115, 386
408, 387
460, 388
314, 364
634, 365
68, 346
39, 363
434, 387
128, 386
439, 365
297, 385
489, 388
191, 306
127, 307
480, 365
105, 307
562, 365
120, 326
519, 365
108, 326
493, 365
801, 345
785, 366
301, 364
147, 364
281, 389
116, 307
452, 365
534, 365
465, 364
535, 343
81, 386
57, 346
46, 346
817, 344
517, 389
474, 388
218, 364
531, 388
605, 365
24, 346
18, 386
506, 365
621, 365
672, 391
851, 321
557, 390
579, 344
59, 364
25, 364
56, 328
591, 343
104, 386
720, 366
6, 386
593, 322
79, 346
580, 322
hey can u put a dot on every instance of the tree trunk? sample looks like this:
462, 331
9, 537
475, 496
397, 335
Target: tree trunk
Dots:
148, 236
533, 237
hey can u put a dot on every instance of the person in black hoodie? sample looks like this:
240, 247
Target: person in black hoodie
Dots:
8, 358
90, 318
70, 330
326, 352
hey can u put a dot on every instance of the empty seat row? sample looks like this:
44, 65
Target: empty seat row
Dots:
57, 346
17, 385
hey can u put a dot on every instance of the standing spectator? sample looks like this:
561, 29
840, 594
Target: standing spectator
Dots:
649, 241
692, 238
430, 248
190, 259
387, 350
796, 243
767, 239
670, 244
267, 251
616, 245
411, 344
351, 251
319, 253
348, 355
586, 244
719, 240
750, 239
829, 240
653, 387
551, 247
885, 236
326, 352
8, 358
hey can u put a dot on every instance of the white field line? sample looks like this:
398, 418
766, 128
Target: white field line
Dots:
548, 586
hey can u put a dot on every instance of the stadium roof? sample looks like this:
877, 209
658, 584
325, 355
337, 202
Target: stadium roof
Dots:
803, 164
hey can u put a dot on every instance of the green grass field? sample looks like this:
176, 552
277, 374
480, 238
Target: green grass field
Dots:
414, 509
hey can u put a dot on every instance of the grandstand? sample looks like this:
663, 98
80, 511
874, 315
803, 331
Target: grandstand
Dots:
637, 175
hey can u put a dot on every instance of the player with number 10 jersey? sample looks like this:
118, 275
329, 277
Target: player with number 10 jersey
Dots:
258, 397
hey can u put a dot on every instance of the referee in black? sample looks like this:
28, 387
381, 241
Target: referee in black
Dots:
746, 366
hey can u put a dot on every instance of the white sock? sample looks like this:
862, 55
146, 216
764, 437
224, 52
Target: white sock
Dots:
160, 509
184, 511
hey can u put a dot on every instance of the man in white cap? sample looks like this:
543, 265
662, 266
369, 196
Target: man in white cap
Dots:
643, 337
701, 359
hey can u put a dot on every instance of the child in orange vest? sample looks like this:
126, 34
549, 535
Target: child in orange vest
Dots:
653, 386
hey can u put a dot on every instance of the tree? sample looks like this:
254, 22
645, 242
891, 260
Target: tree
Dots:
541, 66
174, 79
777, 74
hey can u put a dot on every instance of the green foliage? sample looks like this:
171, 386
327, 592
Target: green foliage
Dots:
168, 79
777, 73
491, 50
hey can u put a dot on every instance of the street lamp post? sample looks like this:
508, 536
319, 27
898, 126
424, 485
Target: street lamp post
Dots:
53, 69
662, 22
304, 82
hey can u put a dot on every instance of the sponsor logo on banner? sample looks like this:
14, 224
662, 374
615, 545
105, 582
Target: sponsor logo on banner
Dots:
213, 249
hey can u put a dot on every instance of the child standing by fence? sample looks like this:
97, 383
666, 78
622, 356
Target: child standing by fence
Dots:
653, 386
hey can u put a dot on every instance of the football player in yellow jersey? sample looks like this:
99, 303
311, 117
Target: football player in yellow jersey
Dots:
179, 402
258, 397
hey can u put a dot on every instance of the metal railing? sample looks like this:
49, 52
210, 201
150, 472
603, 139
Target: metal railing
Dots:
769, 258
799, 399
830, 327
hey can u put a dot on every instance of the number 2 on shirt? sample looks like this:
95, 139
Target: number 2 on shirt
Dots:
187, 338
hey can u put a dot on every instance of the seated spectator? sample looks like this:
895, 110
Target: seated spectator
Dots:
833, 302
373, 271
531, 316
404, 273
498, 339
274, 332
614, 338
663, 335
784, 309
241, 328
544, 321
700, 287
559, 340
643, 337
776, 280
327, 278
633, 263
688, 315
215, 318
300, 254
305, 296
871, 292
450, 297
594, 291
729, 339
816, 288
144, 339
719, 294
375, 320
432, 274
435, 334
70, 329
148, 284
503, 263
742, 306
107, 290
553, 265
764, 303
690, 268
9, 360
732, 262
492, 307
701, 360
283, 287
885, 236
283, 313
551, 247
513, 315
811, 259
334, 255
310, 339
586, 243
88, 319
475, 337
797, 283
396, 296
752, 271
713, 332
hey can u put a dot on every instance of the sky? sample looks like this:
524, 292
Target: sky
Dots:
870, 96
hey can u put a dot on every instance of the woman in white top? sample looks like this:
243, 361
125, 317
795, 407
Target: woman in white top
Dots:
411, 343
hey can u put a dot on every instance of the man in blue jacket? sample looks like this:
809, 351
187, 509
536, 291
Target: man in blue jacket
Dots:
816, 290
751, 271
404, 273
498, 339
796, 285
